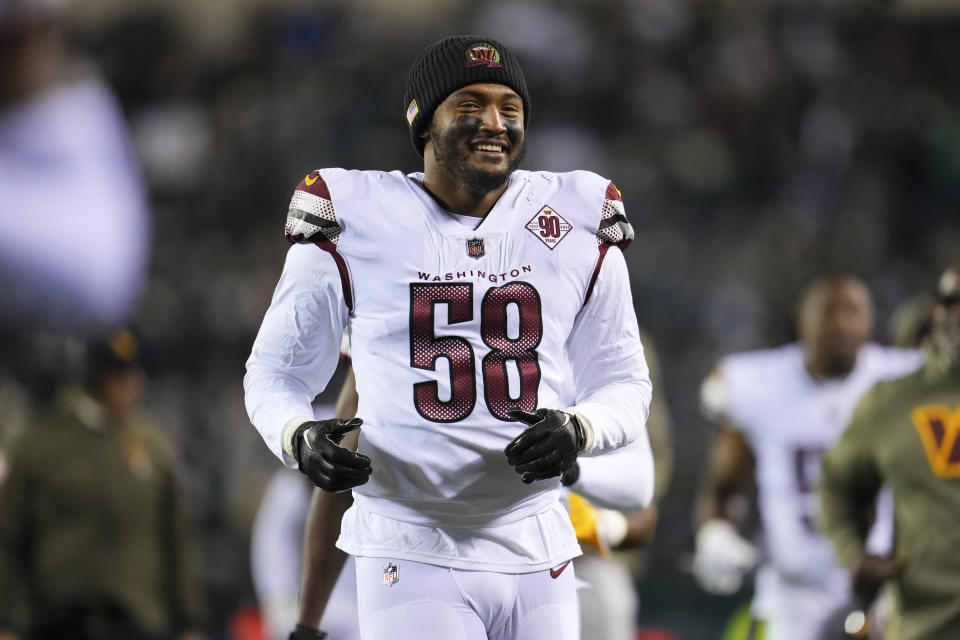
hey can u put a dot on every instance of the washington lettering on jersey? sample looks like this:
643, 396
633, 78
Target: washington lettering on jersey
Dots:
481, 275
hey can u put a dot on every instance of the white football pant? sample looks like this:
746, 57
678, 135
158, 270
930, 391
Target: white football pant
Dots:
405, 599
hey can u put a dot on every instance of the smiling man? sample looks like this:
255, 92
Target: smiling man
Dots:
493, 341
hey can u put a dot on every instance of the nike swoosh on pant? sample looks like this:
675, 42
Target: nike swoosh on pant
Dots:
555, 573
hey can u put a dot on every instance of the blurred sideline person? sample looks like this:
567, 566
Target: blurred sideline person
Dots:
779, 410
470, 292
905, 434
74, 229
94, 542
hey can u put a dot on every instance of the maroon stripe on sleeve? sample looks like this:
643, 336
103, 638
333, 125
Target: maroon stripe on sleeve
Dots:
596, 272
331, 248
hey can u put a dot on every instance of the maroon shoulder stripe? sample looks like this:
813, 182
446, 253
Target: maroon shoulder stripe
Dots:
603, 248
331, 248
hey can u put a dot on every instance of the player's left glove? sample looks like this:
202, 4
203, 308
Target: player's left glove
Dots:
548, 447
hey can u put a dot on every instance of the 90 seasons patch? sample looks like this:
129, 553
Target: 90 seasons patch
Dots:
391, 574
482, 54
549, 226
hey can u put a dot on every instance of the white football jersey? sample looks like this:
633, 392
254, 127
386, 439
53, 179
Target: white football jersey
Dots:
450, 328
790, 420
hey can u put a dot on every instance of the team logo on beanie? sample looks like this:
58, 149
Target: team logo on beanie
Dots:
482, 54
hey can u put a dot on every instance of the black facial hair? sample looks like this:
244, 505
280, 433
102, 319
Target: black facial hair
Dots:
451, 157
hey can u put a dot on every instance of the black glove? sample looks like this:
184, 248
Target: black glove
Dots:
571, 475
331, 467
548, 447
306, 633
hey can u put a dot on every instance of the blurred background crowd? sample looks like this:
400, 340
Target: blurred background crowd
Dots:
757, 145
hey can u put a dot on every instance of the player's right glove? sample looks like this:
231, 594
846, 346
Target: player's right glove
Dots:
306, 633
722, 557
322, 459
548, 447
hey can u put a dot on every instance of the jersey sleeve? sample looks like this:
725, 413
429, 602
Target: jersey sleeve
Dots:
298, 346
849, 482
621, 479
611, 378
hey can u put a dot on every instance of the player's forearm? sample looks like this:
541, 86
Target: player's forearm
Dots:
615, 414
730, 475
273, 402
322, 561
621, 480
724, 496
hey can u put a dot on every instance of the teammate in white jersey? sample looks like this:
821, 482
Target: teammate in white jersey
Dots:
472, 293
780, 410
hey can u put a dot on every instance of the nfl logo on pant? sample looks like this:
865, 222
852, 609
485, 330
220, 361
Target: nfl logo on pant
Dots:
391, 574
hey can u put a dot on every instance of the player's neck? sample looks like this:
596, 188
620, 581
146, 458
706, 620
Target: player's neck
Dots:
455, 197
822, 372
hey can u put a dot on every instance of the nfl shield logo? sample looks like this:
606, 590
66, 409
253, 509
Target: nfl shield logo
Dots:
475, 248
391, 574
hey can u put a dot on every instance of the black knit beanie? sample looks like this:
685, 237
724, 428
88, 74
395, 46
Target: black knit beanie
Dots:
450, 64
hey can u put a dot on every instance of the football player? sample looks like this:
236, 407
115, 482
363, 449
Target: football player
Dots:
780, 410
472, 292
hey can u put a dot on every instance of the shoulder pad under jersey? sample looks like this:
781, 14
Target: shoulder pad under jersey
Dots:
614, 227
311, 217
